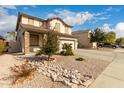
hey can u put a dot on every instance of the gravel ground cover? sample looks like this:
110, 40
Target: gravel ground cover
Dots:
91, 67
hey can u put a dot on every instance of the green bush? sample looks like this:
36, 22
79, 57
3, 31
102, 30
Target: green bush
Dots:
67, 50
80, 59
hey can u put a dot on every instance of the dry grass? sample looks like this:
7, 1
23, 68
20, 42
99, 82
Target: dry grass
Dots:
22, 72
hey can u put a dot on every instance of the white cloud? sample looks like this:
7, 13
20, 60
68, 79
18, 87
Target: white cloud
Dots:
118, 29
106, 28
8, 6
72, 18
113, 9
7, 22
109, 8
78, 18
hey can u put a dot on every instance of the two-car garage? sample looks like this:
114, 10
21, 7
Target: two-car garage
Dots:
71, 41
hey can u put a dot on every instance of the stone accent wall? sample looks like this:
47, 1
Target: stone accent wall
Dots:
26, 45
40, 40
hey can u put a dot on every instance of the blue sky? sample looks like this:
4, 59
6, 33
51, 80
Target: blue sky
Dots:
81, 17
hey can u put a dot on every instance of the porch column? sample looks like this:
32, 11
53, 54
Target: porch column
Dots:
76, 44
26, 45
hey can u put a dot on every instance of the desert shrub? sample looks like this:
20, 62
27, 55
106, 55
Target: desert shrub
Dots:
80, 59
2, 49
67, 50
22, 72
51, 45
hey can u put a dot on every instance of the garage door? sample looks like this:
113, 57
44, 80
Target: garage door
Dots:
65, 41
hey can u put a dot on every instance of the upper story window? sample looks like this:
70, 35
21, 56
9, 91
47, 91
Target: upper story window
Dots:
40, 24
30, 21
57, 27
66, 30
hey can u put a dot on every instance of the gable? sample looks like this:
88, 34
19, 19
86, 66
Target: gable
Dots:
54, 23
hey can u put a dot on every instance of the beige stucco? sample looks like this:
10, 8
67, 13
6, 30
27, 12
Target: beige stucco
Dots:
36, 23
62, 26
24, 20
83, 39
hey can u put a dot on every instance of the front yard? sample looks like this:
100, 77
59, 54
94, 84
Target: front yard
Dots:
90, 67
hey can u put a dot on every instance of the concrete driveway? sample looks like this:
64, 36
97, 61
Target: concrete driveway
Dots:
113, 75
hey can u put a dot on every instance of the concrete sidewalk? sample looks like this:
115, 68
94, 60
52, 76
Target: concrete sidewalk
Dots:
113, 75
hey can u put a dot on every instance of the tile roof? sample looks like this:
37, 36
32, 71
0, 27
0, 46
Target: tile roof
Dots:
35, 29
80, 31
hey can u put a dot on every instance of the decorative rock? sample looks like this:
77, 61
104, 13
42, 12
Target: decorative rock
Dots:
54, 77
73, 77
67, 82
76, 71
87, 77
75, 81
59, 79
48, 74
88, 82
74, 86
81, 86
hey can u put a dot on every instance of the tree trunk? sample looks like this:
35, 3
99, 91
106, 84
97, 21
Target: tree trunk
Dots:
97, 45
48, 57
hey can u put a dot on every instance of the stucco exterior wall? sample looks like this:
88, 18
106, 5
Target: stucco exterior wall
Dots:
36, 23
24, 20
62, 26
83, 39
17, 46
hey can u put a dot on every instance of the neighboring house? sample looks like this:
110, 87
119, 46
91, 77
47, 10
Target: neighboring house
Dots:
121, 44
83, 37
31, 32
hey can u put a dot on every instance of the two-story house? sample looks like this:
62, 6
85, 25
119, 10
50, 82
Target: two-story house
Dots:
31, 32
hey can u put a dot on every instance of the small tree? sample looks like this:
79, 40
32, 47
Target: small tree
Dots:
51, 45
67, 50
110, 37
97, 36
